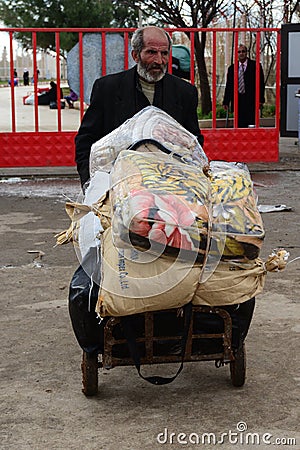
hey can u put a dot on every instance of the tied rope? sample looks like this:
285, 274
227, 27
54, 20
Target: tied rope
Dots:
277, 260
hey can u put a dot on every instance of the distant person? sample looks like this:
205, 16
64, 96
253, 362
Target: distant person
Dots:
246, 88
15, 79
26, 77
49, 96
35, 79
53, 92
71, 98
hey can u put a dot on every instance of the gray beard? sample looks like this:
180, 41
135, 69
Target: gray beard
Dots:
143, 73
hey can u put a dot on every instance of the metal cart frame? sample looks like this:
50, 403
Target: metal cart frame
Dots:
236, 358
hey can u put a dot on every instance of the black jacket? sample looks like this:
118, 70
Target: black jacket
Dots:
249, 77
117, 97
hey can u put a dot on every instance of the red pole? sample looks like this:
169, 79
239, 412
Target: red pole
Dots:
103, 34
126, 54
36, 104
57, 48
235, 81
257, 80
12, 83
277, 108
214, 82
192, 68
81, 77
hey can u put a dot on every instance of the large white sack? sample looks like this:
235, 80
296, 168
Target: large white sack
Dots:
134, 281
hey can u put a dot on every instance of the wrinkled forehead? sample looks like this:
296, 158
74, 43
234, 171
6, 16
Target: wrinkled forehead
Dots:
156, 39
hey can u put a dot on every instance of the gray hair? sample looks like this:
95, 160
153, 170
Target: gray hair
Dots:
137, 40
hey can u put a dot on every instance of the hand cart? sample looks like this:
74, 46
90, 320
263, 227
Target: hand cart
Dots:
159, 336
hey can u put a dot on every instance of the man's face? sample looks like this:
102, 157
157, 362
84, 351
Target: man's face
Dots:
242, 54
152, 62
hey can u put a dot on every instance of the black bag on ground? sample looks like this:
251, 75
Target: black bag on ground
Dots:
53, 105
44, 98
83, 296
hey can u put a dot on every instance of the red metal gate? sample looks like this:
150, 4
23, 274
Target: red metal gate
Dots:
33, 148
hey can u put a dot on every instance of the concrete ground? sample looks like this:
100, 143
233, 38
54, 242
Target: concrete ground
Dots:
41, 403
42, 406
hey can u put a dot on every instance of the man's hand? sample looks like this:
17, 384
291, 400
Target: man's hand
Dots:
225, 107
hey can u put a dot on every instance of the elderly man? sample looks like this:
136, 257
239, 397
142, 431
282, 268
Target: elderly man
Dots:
117, 97
114, 99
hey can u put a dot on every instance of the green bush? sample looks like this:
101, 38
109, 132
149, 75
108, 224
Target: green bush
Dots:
267, 111
66, 91
220, 113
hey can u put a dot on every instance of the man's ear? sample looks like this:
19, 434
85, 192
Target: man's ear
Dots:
135, 56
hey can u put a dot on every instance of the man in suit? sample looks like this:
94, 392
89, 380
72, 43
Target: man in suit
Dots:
246, 88
117, 97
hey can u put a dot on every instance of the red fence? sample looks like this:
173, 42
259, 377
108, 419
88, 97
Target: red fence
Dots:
55, 147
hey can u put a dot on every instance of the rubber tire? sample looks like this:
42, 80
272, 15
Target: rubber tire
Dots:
89, 368
238, 367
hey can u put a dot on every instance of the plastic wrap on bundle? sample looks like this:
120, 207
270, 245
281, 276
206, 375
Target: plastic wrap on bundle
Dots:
149, 123
159, 202
164, 205
234, 210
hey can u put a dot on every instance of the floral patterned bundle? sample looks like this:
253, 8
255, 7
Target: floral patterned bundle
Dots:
170, 207
235, 215
158, 200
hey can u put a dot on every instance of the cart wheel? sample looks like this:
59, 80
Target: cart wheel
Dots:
238, 367
89, 368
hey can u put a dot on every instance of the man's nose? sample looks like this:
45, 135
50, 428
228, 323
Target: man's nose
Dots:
159, 58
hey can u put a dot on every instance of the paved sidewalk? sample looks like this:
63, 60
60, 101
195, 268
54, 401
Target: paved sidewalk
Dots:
36, 172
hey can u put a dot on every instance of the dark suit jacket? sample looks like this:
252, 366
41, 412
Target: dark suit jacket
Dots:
117, 97
247, 100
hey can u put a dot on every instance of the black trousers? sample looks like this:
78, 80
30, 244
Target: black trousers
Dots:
246, 111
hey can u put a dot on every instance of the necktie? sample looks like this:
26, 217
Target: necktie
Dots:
241, 79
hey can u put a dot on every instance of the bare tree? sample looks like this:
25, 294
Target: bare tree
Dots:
291, 9
268, 14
